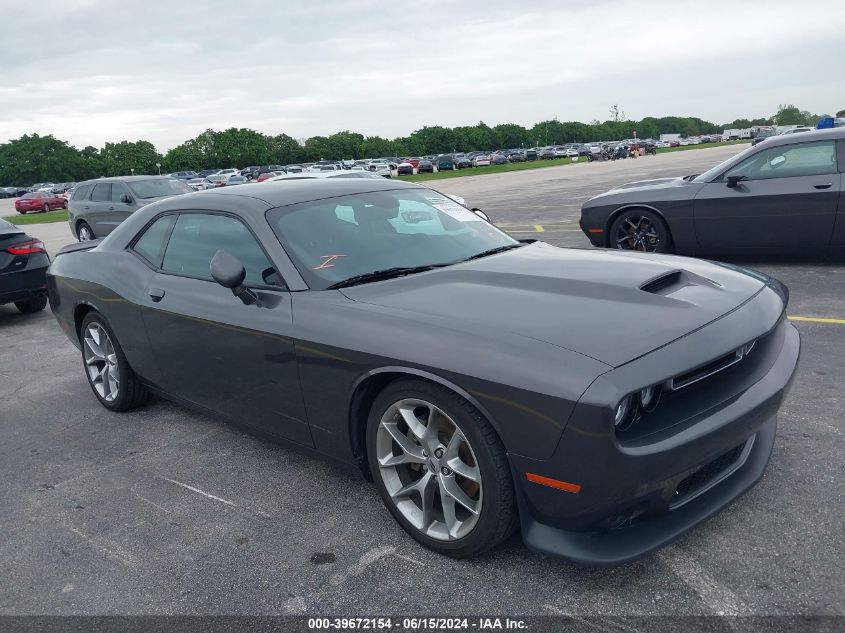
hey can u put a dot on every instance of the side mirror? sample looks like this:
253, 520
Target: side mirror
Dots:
126, 198
229, 272
732, 180
481, 215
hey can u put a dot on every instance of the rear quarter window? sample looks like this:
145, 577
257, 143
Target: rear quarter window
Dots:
82, 192
153, 240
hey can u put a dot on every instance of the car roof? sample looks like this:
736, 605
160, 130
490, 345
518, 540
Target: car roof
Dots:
123, 179
294, 191
806, 137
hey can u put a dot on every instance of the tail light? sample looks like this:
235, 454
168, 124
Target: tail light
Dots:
27, 248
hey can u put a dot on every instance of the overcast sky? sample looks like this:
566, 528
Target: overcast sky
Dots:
91, 71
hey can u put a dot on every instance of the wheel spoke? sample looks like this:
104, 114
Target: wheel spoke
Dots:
451, 488
454, 461
449, 515
413, 422
411, 452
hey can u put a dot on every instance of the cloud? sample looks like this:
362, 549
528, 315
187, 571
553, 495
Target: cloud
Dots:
165, 71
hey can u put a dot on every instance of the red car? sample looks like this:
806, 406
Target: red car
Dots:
40, 201
266, 176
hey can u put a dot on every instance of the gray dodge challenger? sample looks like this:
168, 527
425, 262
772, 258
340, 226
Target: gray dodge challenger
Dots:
786, 193
603, 402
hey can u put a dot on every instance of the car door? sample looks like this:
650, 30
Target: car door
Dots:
96, 209
838, 238
119, 209
788, 197
211, 348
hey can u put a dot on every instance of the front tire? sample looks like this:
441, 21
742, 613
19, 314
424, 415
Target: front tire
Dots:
440, 468
640, 230
109, 375
31, 306
45, 208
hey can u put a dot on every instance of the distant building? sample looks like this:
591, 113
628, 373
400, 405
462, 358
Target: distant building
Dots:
669, 137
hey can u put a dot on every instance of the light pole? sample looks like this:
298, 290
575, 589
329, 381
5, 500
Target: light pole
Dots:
132, 169
159, 168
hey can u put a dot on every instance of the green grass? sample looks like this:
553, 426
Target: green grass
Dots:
540, 164
38, 218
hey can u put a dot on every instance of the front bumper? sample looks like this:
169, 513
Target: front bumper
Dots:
637, 497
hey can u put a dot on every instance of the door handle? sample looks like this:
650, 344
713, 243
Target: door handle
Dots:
156, 294
826, 185
86, 208
111, 208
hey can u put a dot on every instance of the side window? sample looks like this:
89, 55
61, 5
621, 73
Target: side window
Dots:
197, 237
789, 161
82, 192
151, 244
102, 192
118, 190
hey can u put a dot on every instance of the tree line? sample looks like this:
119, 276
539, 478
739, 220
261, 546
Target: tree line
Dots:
33, 158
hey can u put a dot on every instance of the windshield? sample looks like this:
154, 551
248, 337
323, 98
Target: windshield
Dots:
159, 187
333, 239
713, 172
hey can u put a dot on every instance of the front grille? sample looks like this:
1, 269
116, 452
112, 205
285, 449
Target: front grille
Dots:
711, 474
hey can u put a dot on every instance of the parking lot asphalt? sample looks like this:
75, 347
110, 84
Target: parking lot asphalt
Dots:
166, 511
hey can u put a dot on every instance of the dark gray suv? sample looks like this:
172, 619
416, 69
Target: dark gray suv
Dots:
98, 206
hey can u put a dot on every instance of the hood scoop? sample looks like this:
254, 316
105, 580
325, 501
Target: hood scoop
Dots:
674, 280
666, 283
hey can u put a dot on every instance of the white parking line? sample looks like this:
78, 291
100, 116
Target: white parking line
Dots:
719, 599
202, 492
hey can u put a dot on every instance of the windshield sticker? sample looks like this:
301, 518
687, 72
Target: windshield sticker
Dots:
454, 210
327, 261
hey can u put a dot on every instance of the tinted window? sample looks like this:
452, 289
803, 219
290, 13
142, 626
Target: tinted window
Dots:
31, 194
159, 187
102, 192
336, 238
82, 192
151, 244
198, 236
786, 161
118, 190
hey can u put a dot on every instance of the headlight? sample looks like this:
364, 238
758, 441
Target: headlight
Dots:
649, 397
624, 414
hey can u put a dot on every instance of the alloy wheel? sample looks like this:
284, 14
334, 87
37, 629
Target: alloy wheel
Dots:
429, 469
101, 362
638, 233
85, 233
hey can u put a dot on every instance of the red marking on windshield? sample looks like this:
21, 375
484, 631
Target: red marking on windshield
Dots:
327, 263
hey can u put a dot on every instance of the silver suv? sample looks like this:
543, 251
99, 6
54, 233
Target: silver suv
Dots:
98, 206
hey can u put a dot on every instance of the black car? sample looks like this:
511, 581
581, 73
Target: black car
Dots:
462, 161
531, 154
23, 269
782, 194
425, 166
481, 382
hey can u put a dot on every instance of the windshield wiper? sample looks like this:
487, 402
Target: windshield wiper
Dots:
493, 251
387, 273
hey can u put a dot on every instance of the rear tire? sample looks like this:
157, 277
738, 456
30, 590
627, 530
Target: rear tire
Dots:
462, 439
31, 306
45, 208
84, 232
108, 372
64, 204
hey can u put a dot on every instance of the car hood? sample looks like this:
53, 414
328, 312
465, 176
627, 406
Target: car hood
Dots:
612, 306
